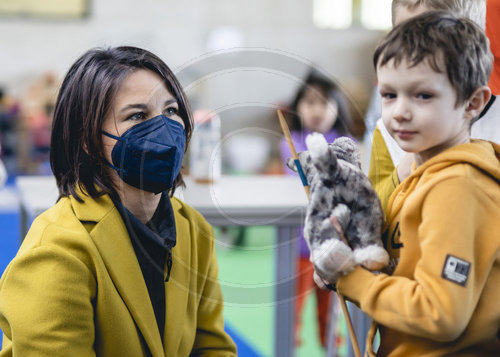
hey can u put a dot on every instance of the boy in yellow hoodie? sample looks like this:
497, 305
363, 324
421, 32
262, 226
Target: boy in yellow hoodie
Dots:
385, 153
441, 295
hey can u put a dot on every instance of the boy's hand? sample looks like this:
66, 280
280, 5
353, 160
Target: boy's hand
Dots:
323, 284
330, 264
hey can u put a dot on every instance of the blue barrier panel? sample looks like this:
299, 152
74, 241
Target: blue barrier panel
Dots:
9, 240
244, 348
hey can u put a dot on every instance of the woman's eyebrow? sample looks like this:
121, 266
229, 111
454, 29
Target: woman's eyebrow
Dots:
144, 106
134, 106
170, 101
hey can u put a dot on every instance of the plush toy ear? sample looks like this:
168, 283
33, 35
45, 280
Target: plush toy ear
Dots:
346, 149
290, 162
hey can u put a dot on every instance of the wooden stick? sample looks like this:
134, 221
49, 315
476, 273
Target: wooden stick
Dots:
350, 328
288, 138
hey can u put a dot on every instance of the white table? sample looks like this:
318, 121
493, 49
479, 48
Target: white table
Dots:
233, 200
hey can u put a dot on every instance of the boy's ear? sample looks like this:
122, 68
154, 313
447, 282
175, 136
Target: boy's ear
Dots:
477, 102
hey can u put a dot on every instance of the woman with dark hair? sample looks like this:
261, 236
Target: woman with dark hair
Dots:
118, 266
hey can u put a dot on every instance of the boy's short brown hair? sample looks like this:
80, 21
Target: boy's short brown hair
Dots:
474, 10
455, 46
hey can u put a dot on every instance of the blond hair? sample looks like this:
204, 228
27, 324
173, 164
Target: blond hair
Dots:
474, 10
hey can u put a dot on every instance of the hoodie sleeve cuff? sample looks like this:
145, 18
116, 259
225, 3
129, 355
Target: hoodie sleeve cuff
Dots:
355, 285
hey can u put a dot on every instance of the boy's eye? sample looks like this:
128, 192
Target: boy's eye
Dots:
424, 96
137, 116
386, 95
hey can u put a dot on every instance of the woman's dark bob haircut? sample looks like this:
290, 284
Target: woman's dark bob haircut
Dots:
84, 101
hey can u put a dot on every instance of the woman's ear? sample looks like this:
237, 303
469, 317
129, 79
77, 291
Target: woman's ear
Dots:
477, 102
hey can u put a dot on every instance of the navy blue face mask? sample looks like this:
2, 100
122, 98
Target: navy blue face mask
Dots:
149, 155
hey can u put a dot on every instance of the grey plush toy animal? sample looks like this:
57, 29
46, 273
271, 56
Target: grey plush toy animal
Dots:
341, 199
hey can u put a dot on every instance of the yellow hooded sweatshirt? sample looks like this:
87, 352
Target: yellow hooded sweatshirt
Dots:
443, 234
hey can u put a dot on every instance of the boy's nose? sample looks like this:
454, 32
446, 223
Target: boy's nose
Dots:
402, 110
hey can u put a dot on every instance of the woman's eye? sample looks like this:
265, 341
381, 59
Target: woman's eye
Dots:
137, 116
171, 111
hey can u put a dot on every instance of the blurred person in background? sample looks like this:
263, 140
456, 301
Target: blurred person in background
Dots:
3, 171
319, 106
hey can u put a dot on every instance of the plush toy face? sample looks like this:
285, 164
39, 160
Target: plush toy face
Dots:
340, 191
343, 148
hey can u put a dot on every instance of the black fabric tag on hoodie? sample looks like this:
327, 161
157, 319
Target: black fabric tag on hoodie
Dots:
456, 270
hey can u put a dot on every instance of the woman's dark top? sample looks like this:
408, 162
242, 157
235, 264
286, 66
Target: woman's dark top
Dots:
153, 243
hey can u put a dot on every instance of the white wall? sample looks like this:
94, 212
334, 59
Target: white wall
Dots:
243, 89
178, 30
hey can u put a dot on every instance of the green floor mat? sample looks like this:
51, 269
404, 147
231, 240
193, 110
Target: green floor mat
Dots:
246, 271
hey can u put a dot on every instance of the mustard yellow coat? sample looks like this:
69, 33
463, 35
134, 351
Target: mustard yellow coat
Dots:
75, 288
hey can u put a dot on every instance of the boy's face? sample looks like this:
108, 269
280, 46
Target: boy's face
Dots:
418, 109
402, 13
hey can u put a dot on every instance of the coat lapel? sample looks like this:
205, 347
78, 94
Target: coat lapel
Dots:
179, 285
113, 242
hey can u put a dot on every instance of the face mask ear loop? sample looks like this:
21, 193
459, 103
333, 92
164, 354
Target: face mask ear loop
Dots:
111, 135
113, 166
107, 162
